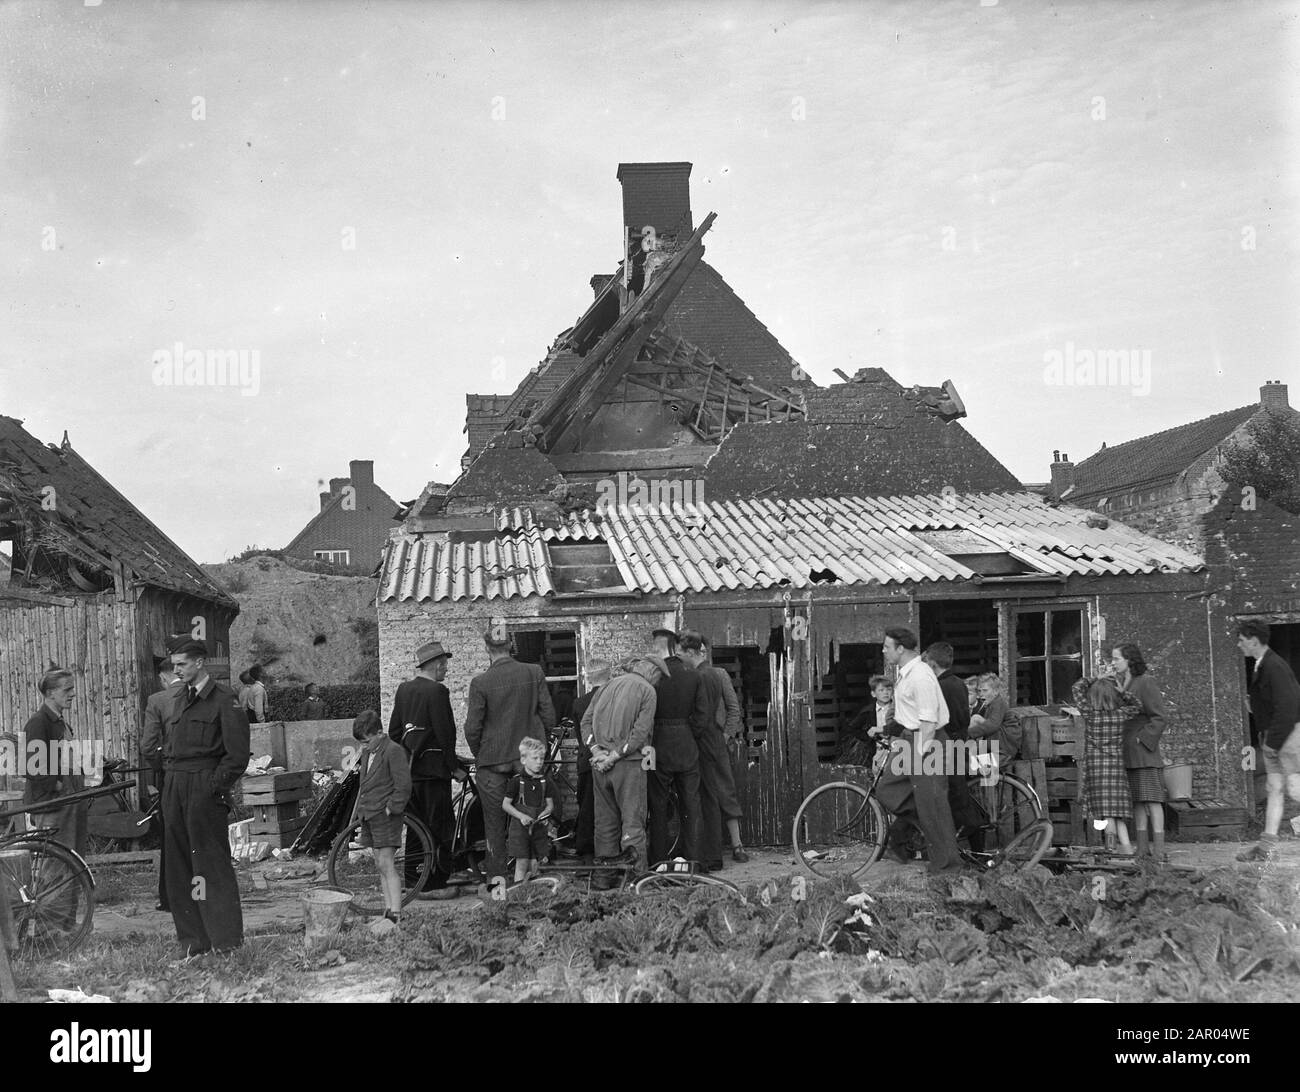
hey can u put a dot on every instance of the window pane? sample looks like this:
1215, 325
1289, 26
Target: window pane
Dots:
1029, 634
1031, 683
1065, 673
1067, 632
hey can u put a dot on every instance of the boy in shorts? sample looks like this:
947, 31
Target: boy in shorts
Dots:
381, 800
529, 801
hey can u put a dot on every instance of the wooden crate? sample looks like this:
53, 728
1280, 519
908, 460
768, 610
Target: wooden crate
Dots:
1062, 780
1035, 732
276, 814
1205, 820
1034, 773
258, 831
282, 788
1069, 828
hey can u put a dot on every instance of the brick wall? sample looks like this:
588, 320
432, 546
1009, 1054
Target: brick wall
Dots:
1255, 557
1198, 669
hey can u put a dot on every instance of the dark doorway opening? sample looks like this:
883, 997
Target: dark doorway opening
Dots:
969, 625
556, 652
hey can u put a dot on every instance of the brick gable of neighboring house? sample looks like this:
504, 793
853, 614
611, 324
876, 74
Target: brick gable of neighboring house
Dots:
1167, 483
1254, 553
356, 517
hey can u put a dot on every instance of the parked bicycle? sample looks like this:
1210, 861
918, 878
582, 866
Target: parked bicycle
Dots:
841, 828
52, 888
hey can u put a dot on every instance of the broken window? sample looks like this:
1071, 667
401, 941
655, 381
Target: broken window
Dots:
1049, 654
585, 568
555, 651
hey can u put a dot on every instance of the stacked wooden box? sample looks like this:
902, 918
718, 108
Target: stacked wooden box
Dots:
1057, 740
1205, 821
276, 803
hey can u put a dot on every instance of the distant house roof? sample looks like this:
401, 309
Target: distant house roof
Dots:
1159, 457
90, 523
771, 543
867, 437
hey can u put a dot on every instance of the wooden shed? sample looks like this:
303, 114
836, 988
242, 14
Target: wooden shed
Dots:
91, 585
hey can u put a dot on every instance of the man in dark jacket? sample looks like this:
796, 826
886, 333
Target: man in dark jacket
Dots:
422, 722
965, 815
506, 702
682, 715
204, 754
1275, 705
584, 834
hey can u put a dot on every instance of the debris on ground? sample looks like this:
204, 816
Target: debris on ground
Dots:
1184, 936
78, 997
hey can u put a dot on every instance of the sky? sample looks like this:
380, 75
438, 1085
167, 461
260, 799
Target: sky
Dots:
393, 204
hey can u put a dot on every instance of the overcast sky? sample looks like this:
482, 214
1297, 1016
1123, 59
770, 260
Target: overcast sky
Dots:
950, 191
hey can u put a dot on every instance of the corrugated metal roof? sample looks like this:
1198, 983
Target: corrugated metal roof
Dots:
769, 543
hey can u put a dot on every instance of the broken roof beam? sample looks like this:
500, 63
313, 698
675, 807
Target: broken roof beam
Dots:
633, 328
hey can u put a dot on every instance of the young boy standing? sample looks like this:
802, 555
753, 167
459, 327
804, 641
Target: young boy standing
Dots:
529, 801
381, 800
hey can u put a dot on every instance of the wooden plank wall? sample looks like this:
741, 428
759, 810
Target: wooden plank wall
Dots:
95, 640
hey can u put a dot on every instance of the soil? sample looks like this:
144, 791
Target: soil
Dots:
1203, 928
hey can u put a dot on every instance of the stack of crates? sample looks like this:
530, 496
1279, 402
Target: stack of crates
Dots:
276, 803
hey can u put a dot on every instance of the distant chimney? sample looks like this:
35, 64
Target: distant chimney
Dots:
336, 486
362, 472
1062, 474
1272, 395
325, 498
658, 194
599, 281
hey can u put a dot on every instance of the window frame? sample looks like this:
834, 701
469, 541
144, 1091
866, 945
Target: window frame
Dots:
1083, 657
332, 557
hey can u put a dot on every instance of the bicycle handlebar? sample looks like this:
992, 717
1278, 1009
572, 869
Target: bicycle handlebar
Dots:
57, 802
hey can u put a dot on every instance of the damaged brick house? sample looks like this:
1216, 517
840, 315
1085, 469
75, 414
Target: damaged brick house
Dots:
1169, 485
670, 464
92, 586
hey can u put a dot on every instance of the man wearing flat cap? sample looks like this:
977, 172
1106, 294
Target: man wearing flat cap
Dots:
422, 722
159, 716
507, 702
204, 753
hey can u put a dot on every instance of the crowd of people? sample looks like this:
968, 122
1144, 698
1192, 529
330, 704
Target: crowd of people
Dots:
653, 743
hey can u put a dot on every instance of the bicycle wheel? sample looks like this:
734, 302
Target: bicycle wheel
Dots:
353, 867
53, 896
1011, 807
1026, 849
672, 881
839, 831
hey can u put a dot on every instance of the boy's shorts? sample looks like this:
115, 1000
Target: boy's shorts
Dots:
533, 844
382, 831
1283, 766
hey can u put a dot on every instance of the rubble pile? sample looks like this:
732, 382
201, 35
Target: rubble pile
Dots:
1218, 936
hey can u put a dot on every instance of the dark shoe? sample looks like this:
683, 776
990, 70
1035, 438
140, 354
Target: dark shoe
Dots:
438, 894
739, 855
604, 878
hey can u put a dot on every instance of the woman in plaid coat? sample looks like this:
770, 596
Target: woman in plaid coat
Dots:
1106, 708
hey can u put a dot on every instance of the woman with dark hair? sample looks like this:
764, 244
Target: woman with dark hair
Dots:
1142, 757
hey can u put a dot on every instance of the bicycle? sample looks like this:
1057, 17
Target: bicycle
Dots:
53, 888
840, 828
352, 866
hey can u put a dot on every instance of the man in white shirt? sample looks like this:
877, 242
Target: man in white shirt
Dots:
914, 787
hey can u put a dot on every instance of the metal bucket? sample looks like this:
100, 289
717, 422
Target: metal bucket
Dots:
324, 909
1178, 780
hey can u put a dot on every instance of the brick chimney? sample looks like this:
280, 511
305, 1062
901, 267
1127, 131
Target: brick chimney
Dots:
1062, 474
1272, 395
325, 498
362, 472
658, 194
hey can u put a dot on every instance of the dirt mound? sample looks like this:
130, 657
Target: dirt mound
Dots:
303, 626
1219, 936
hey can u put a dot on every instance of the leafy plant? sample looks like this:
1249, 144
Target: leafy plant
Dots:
1267, 460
